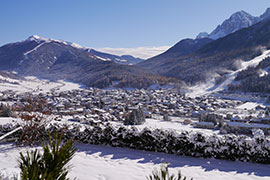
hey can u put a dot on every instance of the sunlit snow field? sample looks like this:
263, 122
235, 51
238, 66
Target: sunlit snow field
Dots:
35, 85
102, 162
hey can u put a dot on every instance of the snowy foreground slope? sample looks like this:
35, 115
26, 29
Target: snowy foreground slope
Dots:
103, 162
99, 162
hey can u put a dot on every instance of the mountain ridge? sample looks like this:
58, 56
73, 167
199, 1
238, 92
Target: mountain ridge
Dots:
54, 59
124, 59
215, 58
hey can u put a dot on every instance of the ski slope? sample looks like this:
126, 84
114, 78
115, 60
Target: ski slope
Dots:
210, 86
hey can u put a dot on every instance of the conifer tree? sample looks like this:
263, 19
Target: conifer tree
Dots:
51, 165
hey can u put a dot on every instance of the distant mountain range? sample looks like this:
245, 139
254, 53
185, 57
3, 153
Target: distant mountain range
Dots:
238, 39
204, 59
54, 59
237, 21
124, 59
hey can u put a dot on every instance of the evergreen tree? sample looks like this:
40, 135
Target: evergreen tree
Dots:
51, 165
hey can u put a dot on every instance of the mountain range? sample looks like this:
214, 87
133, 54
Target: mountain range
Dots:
202, 59
54, 59
190, 61
215, 57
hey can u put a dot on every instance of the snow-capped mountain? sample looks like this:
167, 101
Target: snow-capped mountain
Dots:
237, 21
61, 60
214, 59
125, 59
39, 39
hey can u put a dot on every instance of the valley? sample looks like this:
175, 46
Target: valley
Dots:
165, 110
202, 106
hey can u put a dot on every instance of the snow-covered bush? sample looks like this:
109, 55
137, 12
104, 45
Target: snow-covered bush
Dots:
5, 111
33, 128
257, 133
229, 147
33, 112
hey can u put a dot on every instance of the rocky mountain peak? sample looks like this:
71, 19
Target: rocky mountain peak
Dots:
240, 14
36, 38
266, 14
235, 22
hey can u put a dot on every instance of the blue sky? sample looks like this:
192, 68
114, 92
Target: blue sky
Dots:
117, 23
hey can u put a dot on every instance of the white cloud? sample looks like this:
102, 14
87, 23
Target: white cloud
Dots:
141, 52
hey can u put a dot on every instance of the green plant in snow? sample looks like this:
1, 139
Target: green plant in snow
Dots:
51, 165
163, 174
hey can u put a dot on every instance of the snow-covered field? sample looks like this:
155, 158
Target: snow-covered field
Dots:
248, 105
174, 125
102, 162
35, 85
